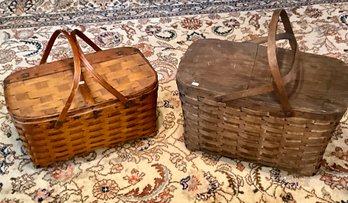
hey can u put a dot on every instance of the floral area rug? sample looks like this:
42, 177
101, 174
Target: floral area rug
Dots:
36, 13
161, 169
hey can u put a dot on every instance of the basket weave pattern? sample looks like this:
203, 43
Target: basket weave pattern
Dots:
43, 97
268, 105
255, 135
110, 125
56, 126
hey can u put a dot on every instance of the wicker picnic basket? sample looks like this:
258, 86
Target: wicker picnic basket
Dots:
61, 109
238, 103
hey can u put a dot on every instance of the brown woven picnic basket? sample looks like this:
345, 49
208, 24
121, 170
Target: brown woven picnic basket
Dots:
62, 109
268, 105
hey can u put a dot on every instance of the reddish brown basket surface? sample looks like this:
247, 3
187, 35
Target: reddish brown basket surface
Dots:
61, 110
238, 103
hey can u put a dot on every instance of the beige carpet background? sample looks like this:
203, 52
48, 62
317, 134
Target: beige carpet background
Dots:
161, 169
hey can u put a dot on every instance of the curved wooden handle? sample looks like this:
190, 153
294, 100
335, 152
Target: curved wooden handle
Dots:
90, 68
77, 57
55, 35
272, 57
86, 39
278, 81
84, 89
77, 70
50, 43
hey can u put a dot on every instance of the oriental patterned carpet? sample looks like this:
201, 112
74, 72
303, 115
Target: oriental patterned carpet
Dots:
161, 169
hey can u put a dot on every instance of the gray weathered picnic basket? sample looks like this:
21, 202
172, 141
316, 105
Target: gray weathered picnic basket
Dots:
268, 105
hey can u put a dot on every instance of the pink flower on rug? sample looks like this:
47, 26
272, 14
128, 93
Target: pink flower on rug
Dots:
191, 23
105, 189
62, 173
23, 34
200, 186
193, 183
135, 177
165, 195
146, 49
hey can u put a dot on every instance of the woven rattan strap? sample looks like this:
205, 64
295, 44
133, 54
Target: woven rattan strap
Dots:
279, 82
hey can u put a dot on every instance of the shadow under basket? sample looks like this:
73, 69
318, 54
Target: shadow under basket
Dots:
238, 103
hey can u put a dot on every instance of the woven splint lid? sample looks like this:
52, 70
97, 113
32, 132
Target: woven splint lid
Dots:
43, 90
212, 68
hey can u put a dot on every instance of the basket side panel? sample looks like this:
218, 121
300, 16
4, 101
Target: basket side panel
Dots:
294, 144
81, 134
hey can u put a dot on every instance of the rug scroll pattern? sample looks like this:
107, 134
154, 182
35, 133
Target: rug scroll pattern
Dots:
38, 13
161, 169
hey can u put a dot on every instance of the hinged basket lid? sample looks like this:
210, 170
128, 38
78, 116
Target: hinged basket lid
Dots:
42, 91
212, 68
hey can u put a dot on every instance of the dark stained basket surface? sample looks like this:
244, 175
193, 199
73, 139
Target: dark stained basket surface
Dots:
215, 67
254, 128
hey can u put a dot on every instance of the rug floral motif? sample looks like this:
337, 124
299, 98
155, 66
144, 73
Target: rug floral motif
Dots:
161, 169
30, 13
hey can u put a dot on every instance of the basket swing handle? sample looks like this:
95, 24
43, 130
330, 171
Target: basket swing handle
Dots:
86, 39
77, 70
54, 37
83, 87
78, 56
279, 82
90, 68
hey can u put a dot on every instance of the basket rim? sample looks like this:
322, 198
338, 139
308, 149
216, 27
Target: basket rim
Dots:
272, 109
78, 111
186, 68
